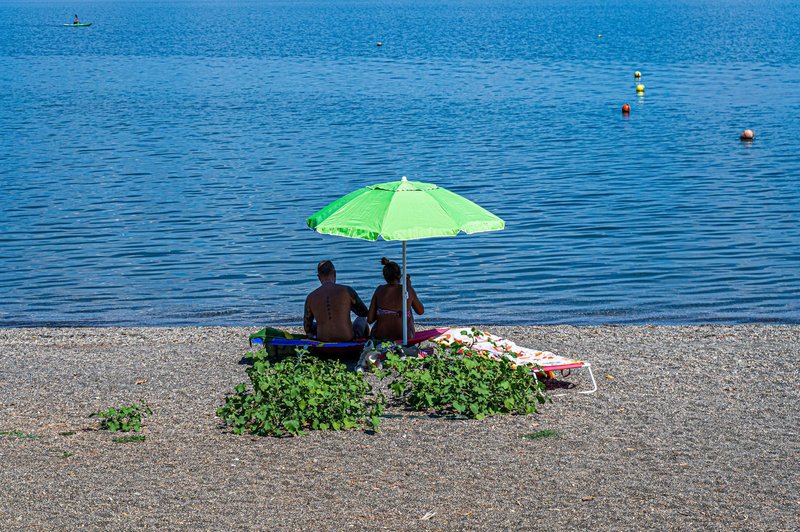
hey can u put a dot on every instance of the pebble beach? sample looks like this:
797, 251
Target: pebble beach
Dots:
692, 427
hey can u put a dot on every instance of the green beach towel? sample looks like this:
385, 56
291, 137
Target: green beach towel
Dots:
268, 333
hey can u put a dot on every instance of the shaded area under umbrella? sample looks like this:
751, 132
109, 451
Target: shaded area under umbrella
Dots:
403, 210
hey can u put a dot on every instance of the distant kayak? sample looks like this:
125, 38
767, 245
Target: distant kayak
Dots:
79, 25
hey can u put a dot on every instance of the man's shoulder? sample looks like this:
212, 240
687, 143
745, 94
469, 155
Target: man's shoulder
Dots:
350, 289
330, 289
314, 294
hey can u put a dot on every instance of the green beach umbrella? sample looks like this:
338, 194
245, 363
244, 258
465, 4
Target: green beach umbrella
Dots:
403, 210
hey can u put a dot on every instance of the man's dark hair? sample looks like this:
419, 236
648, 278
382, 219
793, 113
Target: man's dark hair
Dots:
325, 268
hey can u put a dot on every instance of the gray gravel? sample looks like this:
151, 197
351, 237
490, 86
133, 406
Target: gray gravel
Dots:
692, 428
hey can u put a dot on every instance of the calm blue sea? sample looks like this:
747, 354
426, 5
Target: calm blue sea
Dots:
157, 168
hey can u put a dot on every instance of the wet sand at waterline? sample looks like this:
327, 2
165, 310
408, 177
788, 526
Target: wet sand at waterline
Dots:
693, 427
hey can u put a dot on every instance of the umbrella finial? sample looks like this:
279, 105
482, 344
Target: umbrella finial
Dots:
404, 178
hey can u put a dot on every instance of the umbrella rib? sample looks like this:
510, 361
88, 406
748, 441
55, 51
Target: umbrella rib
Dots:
447, 213
383, 220
461, 228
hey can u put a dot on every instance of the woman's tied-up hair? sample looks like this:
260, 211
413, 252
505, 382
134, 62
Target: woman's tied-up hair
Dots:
391, 270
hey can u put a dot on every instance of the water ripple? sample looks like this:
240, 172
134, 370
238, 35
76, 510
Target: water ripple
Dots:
164, 177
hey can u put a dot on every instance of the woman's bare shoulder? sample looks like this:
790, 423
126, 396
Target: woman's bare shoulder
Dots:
389, 291
381, 289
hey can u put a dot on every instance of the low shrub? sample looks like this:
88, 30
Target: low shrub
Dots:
455, 380
290, 396
124, 418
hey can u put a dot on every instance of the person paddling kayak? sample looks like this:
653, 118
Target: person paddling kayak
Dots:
76, 23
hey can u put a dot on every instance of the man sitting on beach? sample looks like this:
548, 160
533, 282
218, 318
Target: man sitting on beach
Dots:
327, 310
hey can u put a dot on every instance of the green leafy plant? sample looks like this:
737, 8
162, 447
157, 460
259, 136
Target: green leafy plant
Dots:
67, 454
290, 396
128, 439
124, 418
458, 381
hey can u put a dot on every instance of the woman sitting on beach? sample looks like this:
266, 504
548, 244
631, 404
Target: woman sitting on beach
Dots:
386, 307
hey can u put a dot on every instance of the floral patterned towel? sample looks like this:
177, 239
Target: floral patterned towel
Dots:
497, 347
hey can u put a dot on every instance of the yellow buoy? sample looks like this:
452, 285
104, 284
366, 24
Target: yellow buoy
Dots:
637, 74
639, 88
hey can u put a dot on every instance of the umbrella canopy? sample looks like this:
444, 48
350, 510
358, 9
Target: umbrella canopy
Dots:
403, 210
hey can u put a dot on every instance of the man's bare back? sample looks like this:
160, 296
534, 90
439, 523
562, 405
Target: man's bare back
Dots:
329, 306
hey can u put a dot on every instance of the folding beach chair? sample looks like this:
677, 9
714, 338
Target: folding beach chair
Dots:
500, 348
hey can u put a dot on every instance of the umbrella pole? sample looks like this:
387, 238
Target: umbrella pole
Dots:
405, 298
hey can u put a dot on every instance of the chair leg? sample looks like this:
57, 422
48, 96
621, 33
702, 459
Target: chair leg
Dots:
594, 382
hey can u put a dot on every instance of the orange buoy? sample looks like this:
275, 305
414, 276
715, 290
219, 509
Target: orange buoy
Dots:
626, 108
380, 43
747, 134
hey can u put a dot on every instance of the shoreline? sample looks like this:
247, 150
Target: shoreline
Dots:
692, 426
294, 324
